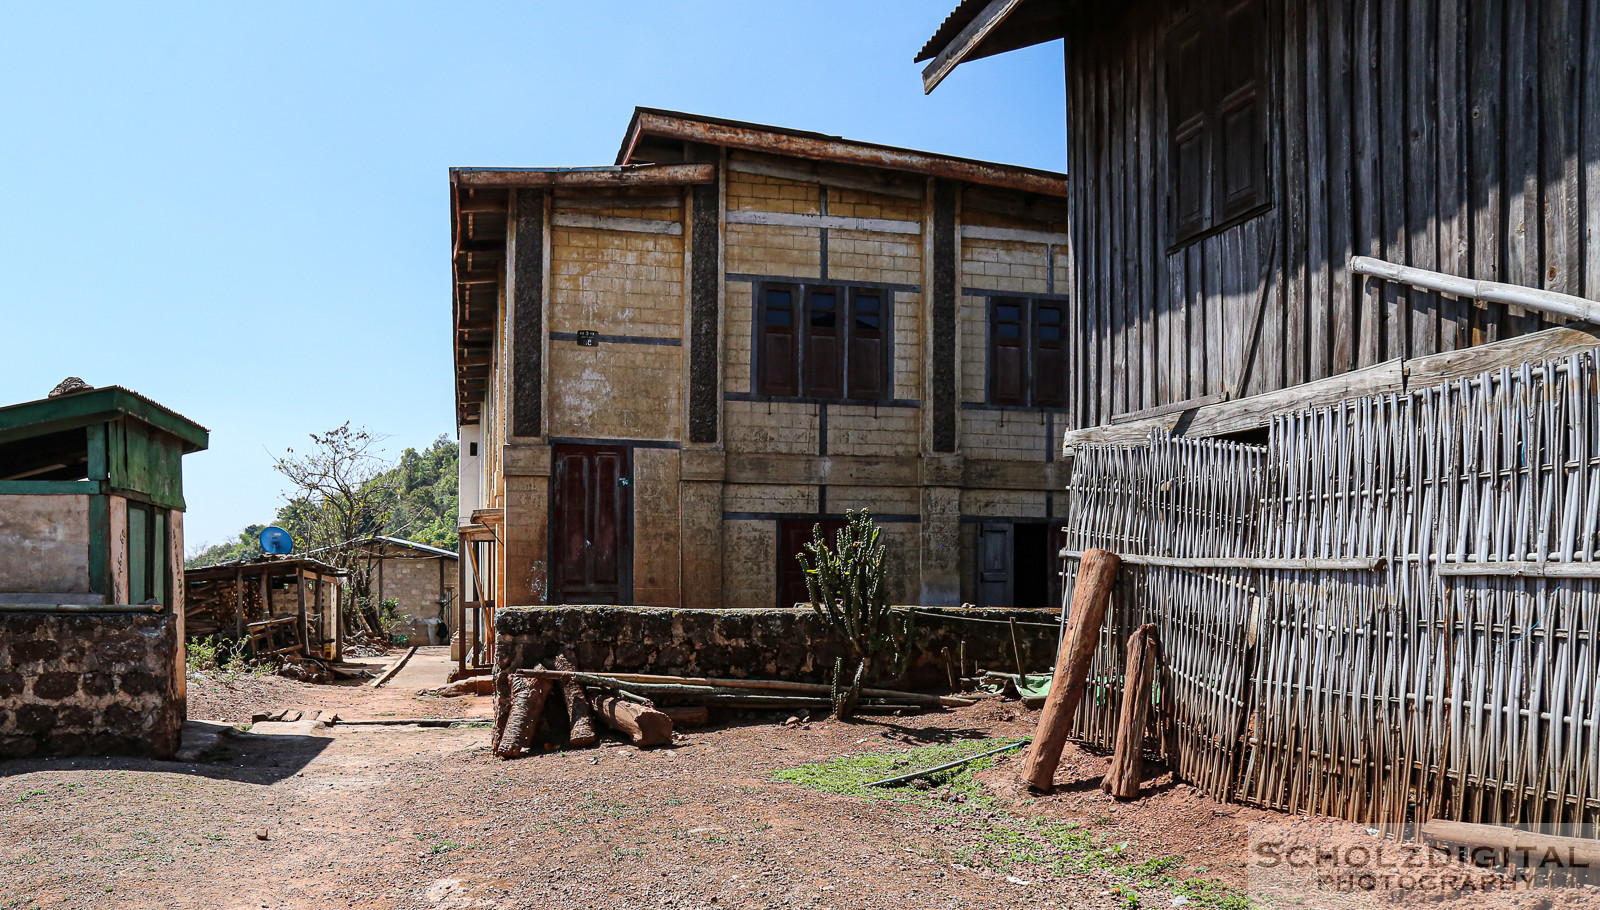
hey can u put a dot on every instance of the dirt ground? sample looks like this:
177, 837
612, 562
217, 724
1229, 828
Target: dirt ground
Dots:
424, 817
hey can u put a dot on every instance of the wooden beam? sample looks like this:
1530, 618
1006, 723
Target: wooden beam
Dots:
965, 42
1493, 291
790, 219
615, 223
825, 175
1014, 235
631, 175
1393, 376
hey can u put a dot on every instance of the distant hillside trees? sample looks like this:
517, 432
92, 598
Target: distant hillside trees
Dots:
343, 491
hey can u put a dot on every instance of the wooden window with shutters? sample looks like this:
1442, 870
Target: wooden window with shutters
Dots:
778, 354
1216, 117
826, 341
1027, 352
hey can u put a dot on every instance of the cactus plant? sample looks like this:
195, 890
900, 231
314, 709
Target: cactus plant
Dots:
847, 586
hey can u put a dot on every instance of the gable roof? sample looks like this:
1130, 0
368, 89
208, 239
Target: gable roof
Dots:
91, 406
777, 140
983, 28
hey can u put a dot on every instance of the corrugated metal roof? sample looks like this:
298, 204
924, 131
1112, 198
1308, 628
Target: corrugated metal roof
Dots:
952, 25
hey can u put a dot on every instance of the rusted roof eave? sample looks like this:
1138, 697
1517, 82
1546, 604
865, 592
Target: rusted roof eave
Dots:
751, 138
617, 176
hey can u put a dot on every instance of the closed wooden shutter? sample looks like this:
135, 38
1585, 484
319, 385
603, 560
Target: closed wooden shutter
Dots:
1049, 355
995, 560
824, 349
778, 359
867, 350
1241, 118
1189, 127
1008, 367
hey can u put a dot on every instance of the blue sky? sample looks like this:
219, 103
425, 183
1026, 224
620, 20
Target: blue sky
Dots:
241, 210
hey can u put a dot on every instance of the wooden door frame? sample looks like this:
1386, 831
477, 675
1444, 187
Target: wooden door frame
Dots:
625, 527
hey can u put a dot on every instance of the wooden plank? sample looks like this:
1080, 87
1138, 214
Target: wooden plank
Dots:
885, 183
633, 175
1524, 220
1014, 235
1392, 88
790, 219
1342, 293
1451, 92
1560, 25
1390, 376
1485, 144
1350, 564
1152, 278
615, 223
1421, 170
1368, 229
1589, 91
1293, 189
1520, 569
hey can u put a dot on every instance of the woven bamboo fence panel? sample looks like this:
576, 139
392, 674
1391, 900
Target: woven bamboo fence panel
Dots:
1438, 659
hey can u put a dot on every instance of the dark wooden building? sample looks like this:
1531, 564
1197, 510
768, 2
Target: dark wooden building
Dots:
1228, 158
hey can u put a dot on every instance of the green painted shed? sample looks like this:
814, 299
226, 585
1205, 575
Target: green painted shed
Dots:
91, 499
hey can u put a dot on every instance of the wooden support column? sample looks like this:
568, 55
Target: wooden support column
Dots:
1097, 573
300, 609
1127, 763
238, 602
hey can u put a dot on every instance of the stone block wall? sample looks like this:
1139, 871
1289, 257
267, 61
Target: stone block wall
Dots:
90, 684
792, 644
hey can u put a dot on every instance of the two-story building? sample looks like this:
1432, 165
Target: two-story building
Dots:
670, 369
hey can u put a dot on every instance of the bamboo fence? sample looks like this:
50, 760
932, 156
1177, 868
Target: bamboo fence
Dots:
1387, 613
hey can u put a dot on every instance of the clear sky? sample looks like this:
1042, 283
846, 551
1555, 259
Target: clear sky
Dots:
241, 210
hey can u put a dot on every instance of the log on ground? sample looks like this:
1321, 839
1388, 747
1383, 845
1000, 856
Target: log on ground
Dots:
527, 706
581, 732
643, 724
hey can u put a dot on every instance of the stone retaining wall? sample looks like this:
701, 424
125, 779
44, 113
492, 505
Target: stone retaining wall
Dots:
793, 644
89, 684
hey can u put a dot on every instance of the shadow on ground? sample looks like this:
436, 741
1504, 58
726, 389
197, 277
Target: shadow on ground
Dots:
241, 757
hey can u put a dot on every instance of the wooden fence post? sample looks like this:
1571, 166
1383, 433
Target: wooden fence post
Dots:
1127, 764
1097, 573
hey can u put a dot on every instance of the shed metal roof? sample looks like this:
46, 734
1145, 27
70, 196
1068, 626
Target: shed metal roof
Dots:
46, 416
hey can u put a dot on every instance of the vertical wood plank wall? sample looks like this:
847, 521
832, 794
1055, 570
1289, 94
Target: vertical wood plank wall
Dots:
1459, 135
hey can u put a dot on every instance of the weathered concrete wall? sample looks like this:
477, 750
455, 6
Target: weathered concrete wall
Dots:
794, 644
90, 684
45, 540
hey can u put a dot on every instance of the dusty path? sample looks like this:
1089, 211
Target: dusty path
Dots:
407, 817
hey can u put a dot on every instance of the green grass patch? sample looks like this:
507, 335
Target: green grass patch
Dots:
850, 774
999, 839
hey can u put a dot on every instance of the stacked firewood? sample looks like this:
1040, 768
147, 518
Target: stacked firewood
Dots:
646, 708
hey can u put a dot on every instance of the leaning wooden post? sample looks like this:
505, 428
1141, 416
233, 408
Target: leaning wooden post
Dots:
1097, 573
1127, 764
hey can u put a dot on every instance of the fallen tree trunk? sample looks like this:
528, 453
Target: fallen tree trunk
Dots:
774, 685
474, 685
684, 716
581, 732
644, 725
1575, 852
527, 706
1097, 573
1127, 763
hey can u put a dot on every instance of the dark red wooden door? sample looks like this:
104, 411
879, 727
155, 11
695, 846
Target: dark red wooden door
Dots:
793, 535
590, 516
